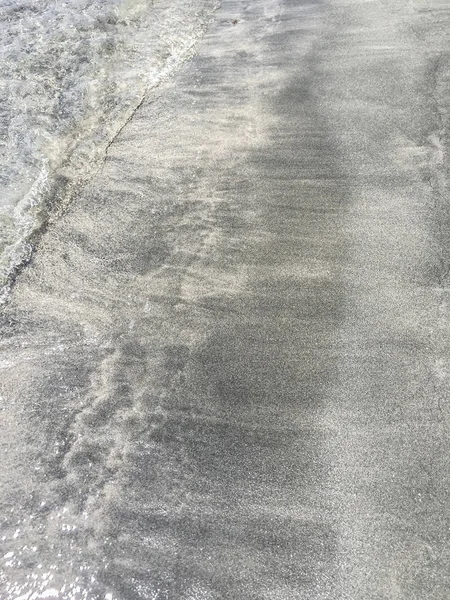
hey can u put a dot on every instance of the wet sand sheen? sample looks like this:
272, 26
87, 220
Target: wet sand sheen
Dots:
226, 366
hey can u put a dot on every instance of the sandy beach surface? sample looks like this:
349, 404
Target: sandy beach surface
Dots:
225, 372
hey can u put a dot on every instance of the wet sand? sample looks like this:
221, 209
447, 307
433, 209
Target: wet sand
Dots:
225, 373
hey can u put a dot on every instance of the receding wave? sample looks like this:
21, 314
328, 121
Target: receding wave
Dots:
72, 74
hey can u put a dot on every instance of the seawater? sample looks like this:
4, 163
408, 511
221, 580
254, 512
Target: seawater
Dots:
71, 74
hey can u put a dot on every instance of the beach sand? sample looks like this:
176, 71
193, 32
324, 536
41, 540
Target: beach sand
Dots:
225, 373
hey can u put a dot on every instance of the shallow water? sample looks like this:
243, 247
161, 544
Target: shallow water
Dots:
72, 73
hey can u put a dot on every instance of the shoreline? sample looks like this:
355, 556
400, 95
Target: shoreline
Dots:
39, 208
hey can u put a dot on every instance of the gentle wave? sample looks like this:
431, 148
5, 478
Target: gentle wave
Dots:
72, 74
